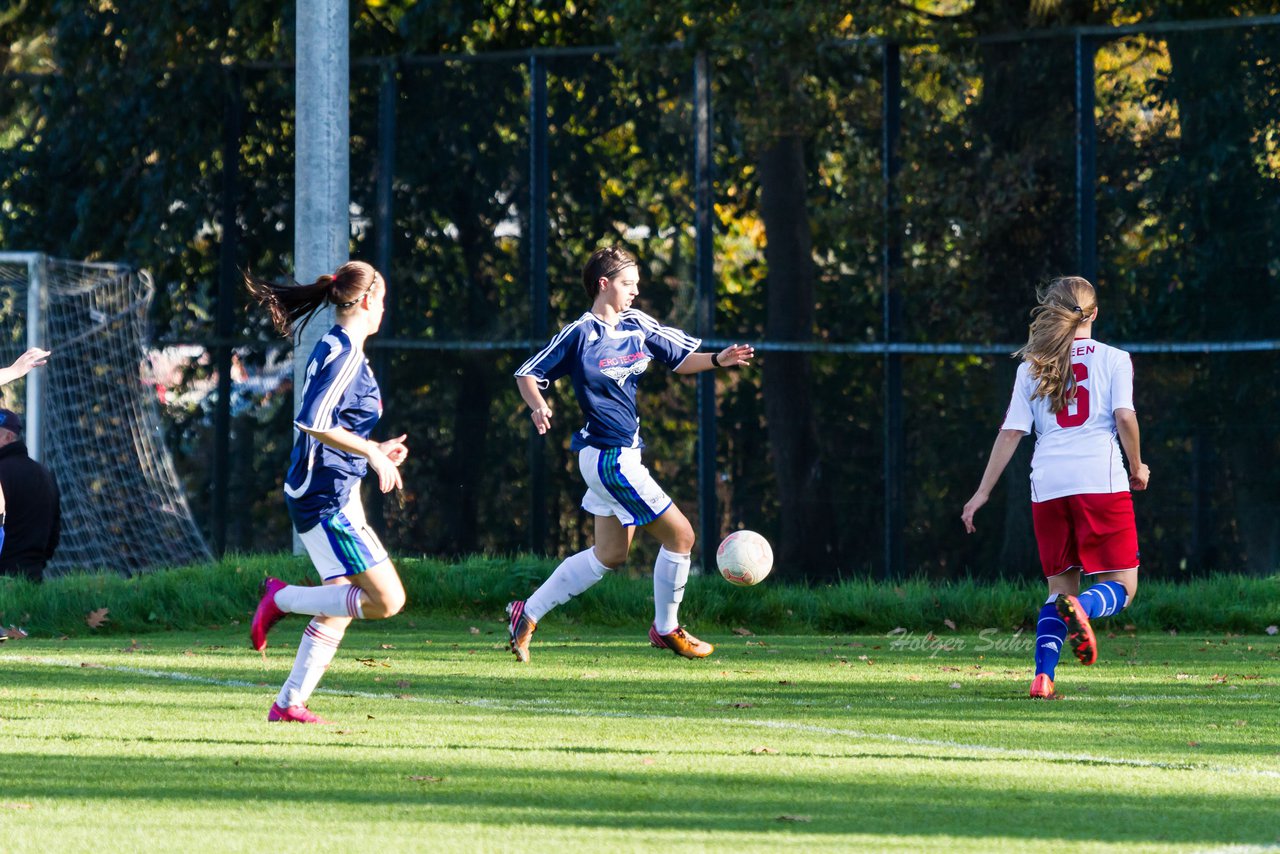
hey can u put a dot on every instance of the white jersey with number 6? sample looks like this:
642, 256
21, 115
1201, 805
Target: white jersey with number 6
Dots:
1076, 449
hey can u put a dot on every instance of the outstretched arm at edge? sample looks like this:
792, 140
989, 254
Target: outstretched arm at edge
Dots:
1001, 452
1127, 429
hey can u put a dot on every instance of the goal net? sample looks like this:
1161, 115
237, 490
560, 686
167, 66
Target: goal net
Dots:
91, 417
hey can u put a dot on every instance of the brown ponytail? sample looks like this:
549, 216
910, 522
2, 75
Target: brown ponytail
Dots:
293, 306
1064, 304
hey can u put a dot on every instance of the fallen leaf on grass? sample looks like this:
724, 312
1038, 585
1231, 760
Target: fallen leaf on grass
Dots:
1193, 744
474, 630
95, 619
742, 705
741, 632
426, 778
1218, 677
373, 662
646, 761
132, 647
948, 667
14, 806
1182, 676
913, 678
402, 683
388, 646
14, 632
1130, 627
785, 682
949, 624
794, 818
1249, 675
760, 750
756, 643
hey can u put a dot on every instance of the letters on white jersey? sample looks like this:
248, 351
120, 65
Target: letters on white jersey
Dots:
1076, 449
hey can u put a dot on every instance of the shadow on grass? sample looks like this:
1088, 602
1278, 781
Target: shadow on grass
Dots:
862, 795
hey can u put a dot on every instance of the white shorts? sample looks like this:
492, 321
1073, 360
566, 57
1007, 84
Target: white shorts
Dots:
344, 544
619, 485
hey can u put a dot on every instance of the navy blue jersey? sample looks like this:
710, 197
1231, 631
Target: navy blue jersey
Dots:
604, 363
340, 391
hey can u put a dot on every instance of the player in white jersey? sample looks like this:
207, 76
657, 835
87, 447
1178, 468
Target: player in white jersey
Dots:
332, 452
604, 352
1077, 395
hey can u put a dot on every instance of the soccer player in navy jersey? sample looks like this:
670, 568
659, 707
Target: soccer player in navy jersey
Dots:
1077, 394
332, 452
603, 353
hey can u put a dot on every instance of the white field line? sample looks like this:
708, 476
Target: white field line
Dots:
541, 706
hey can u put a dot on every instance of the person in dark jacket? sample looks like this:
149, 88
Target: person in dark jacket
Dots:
32, 508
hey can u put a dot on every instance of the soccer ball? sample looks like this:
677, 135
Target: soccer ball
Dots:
744, 558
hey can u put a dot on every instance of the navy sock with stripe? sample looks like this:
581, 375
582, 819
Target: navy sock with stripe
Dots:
1103, 600
1051, 634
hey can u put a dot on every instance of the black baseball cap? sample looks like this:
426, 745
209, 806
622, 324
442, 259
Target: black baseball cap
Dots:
10, 420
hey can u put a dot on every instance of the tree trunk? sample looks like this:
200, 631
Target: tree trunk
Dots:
806, 539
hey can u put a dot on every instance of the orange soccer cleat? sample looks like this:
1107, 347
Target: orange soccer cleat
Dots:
521, 629
681, 643
1042, 687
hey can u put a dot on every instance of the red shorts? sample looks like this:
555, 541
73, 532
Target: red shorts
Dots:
1094, 532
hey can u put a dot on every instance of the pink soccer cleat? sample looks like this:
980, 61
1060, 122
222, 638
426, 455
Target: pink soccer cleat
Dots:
267, 614
294, 715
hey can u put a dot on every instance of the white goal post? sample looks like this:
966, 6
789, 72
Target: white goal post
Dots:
90, 415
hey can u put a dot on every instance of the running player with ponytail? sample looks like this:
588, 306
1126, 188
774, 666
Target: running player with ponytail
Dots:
604, 352
332, 452
1077, 394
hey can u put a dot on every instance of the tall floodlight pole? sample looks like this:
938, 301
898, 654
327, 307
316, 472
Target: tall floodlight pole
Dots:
322, 168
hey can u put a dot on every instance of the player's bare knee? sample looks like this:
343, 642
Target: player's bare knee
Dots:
611, 558
384, 604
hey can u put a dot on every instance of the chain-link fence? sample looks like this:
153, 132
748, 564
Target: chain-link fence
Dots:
941, 183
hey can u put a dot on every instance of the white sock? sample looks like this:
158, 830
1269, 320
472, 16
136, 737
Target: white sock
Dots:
670, 574
574, 575
316, 650
330, 600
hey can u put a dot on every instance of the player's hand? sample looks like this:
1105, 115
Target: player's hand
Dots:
395, 449
33, 358
971, 509
388, 474
541, 419
735, 355
1138, 478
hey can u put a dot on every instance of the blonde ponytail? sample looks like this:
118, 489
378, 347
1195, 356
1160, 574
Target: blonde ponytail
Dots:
1064, 304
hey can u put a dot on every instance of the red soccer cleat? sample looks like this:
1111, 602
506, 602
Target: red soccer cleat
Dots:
1042, 687
1079, 632
294, 715
267, 614
680, 642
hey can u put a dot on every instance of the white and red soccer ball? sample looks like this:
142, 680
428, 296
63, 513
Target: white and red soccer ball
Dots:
744, 558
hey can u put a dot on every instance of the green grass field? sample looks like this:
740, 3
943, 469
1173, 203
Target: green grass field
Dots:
797, 742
